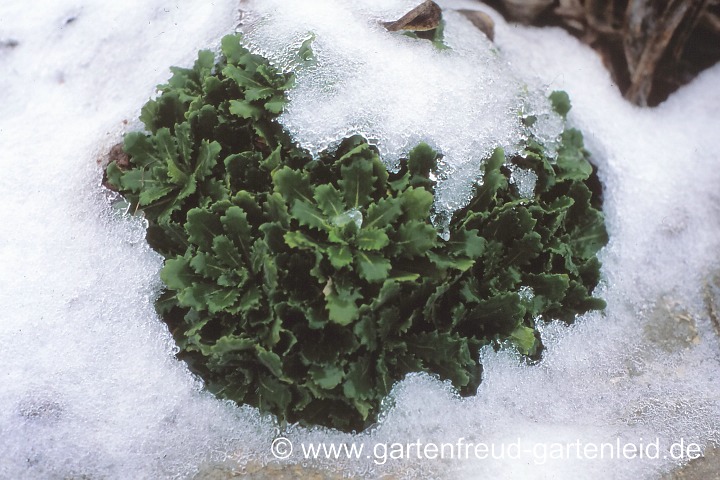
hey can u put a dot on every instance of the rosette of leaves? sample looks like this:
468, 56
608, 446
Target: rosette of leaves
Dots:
308, 287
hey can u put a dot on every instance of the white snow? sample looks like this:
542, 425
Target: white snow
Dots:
90, 384
396, 91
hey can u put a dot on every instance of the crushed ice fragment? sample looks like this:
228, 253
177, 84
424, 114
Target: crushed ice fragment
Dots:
352, 215
524, 180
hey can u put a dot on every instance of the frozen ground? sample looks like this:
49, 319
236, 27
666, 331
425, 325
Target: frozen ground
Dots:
90, 386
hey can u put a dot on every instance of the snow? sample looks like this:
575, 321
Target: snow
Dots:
90, 384
464, 101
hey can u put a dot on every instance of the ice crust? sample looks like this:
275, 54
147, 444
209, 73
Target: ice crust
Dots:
397, 91
90, 385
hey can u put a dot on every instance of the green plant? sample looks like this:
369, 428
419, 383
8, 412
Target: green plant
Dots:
309, 286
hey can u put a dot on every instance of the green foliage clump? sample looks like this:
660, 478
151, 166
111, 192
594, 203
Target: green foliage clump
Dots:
308, 287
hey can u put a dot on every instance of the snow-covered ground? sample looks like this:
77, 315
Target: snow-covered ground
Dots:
90, 387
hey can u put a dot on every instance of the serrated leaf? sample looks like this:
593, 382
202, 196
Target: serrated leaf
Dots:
571, 159
273, 160
372, 266
232, 343
207, 265
227, 252
273, 395
416, 203
447, 353
202, 227
341, 306
232, 48
327, 376
177, 273
384, 212
221, 299
271, 360
468, 243
250, 299
524, 339
153, 193
194, 296
292, 185
329, 200
275, 105
259, 93
306, 214
339, 255
300, 240
421, 160
207, 158
447, 261
358, 381
236, 225
414, 238
246, 110
371, 239
183, 138
357, 183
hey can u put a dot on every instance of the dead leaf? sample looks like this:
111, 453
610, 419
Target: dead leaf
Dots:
425, 16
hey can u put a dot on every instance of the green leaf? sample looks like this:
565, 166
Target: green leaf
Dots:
447, 353
232, 48
300, 240
339, 255
207, 158
468, 243
177, 273
292, 185
357, 183
206, 264
417, 203
329, 200
571, 160
341, 305
202, 227
327, 376
246, 110
422, 160
372, 267
560, 102
358, 381
273, 160
372, 239
232, 343
275, 105
270, 360
524, 339
227, 252
273, 395
414, 238
221, 299
153, 193
235, 224
384, 212
306, 214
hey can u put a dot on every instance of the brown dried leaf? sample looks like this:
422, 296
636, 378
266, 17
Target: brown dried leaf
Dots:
425, 16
